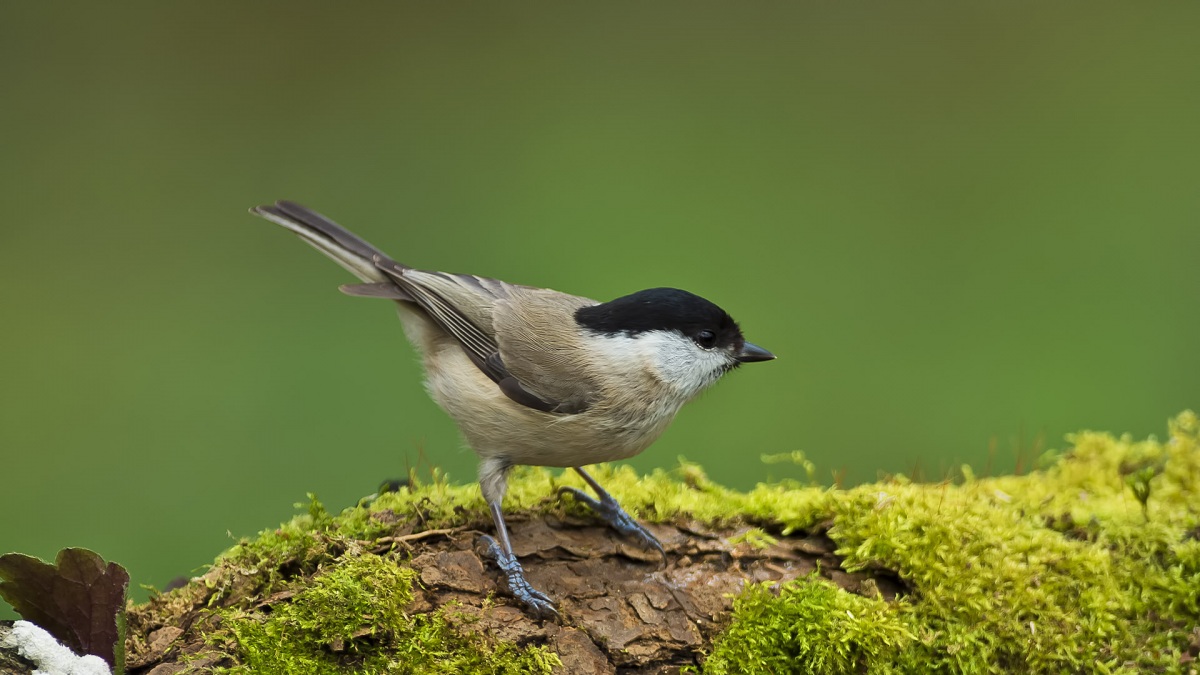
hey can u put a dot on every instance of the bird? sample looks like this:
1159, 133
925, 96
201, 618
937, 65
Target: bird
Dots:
533, 376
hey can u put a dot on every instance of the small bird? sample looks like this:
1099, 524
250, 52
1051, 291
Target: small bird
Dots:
537, 377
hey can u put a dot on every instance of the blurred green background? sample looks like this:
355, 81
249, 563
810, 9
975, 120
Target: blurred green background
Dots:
960, 226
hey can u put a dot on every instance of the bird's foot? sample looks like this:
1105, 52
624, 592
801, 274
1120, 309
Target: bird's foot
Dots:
607, 508
539, 603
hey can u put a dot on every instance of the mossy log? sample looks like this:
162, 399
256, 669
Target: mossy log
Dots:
1088, 564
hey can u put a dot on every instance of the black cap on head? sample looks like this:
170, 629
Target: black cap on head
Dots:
663, 309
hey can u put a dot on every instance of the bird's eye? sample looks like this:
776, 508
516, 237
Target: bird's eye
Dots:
706, 339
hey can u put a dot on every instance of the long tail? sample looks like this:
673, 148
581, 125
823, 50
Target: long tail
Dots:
345, 248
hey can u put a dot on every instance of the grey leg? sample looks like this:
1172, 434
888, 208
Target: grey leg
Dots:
493, 476
608, 509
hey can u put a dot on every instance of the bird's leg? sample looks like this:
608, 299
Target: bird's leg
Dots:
537, 602
608, 509
493, 475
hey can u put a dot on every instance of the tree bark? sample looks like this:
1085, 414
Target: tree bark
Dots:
622, 609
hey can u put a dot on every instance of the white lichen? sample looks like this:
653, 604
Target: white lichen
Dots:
48, 656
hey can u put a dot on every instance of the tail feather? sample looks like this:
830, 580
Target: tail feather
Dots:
386, 290
344, 247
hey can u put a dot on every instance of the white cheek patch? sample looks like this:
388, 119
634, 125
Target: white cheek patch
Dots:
674, 359
683, 363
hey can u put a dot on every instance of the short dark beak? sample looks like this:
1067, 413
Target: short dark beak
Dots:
752, 352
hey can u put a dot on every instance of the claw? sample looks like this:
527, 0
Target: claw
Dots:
607, 508
539, 603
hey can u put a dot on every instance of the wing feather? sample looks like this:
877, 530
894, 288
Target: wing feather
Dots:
541, 346
465, 307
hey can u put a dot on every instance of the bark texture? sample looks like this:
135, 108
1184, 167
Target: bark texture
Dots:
623, 610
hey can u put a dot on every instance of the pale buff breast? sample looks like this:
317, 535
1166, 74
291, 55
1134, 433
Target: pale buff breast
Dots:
496, 426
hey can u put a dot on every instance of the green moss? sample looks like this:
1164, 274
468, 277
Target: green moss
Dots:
259, 566
755, 537
811, 626
352, 619
1057, 571
1089, 564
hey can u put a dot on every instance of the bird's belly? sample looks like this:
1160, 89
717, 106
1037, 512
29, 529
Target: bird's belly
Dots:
575, 442
496, 426
567, 441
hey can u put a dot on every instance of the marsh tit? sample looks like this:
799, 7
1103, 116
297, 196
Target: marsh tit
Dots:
535, 376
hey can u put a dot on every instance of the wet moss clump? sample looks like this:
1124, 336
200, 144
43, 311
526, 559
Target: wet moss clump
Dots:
352, 618
1089, 564
1068, 569
810, 626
